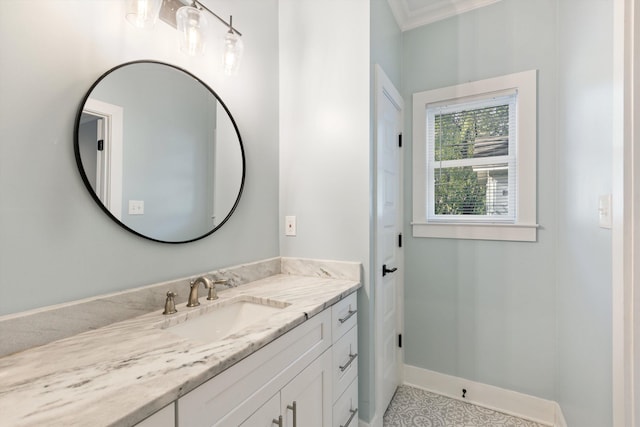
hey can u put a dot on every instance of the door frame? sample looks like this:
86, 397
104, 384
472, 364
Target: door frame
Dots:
385, 88
111, 162
626, 215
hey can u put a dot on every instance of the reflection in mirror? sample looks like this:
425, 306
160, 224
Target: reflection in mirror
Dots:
160, 152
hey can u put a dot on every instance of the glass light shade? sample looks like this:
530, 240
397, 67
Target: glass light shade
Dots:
233, 48
191, 25
143, 13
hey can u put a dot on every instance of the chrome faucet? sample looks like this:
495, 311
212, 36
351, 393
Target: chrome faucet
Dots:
193, 294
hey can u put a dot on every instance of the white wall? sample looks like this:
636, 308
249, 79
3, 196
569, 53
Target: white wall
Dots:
324, 142
56, 244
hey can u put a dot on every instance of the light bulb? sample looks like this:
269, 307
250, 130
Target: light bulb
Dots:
191, 23
233, 48
143, 13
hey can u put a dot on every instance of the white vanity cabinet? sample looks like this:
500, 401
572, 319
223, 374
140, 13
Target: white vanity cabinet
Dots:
298, 380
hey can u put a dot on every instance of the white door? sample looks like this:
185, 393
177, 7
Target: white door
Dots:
102, 172
109, 166
388, 273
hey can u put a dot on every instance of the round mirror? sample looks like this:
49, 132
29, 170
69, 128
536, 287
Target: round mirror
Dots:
159, 151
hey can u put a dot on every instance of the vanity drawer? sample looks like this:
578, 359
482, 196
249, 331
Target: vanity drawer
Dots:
345, 361
345, 410
343, 316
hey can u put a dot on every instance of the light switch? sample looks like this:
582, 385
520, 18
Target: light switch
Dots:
290, 225
136, 207
604, 211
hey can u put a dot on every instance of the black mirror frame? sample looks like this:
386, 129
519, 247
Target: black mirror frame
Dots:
83, 175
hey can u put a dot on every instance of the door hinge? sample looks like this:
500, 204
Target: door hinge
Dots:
101, 145
400, 240
400, 340
400, 140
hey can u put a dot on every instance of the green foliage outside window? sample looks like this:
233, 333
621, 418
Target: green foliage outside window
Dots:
458, 191
469, 134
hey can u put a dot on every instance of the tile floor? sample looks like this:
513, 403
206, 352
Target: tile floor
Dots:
412, 407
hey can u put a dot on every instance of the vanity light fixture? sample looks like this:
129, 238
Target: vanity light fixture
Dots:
233, 48
191, 25
143, 13
189, 18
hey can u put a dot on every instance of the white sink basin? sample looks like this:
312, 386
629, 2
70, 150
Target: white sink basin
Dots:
214, 322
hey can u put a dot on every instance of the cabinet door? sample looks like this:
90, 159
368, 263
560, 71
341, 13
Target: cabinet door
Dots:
306, 400
265, 415
165, 417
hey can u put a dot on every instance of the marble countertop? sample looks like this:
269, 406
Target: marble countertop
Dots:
120, 374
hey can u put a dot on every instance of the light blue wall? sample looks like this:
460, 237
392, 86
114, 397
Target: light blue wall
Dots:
484, 310
530, 317
56, 244
386, 43
584, 158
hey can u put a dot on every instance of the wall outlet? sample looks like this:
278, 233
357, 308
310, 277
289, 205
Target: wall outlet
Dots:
136, 207
289, 225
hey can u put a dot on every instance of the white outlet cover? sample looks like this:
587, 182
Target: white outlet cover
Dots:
290, 226
604, 211
136, 207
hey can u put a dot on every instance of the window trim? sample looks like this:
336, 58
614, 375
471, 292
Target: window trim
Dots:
525, 226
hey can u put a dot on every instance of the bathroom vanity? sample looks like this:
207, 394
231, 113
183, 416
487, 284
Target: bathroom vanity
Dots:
294, 364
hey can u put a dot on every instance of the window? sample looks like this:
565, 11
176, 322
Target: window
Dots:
474, 160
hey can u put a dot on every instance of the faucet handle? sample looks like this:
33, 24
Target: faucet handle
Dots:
212, 293
224, 282
170, 304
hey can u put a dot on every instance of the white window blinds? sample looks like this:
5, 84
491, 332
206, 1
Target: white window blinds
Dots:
471, 159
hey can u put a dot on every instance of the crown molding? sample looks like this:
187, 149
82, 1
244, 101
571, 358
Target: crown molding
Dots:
432, 11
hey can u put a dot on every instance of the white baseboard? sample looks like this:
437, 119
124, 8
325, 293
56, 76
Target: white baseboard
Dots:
510, 402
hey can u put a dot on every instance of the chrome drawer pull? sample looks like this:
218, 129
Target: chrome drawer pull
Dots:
353, 414
295, 413
278, 422
352, 357
349, 314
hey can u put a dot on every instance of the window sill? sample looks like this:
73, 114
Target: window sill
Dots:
507, 232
